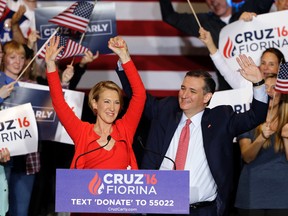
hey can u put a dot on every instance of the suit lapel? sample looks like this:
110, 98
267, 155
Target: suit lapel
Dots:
207, 128
171, 128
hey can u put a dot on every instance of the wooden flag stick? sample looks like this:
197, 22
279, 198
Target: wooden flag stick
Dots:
83, 34
192, 9
39, 51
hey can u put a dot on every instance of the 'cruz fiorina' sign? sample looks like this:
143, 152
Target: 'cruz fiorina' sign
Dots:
122, 191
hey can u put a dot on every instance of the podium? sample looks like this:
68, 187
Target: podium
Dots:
122, 191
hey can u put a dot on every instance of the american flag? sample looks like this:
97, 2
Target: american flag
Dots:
71, 48
2, 7
282, 79
76, 17
161, 53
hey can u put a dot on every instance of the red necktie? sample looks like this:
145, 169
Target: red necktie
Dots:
183, 146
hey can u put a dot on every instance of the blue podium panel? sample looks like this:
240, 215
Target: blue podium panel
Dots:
122, 191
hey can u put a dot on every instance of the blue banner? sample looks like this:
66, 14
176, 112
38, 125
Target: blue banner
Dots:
101, 28
40, 100
122, 191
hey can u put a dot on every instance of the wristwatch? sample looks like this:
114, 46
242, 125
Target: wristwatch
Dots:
259, 83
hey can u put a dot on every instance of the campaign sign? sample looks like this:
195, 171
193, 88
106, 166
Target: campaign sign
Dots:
252, 38
18, 130
40, 100
49, 126
101, 28
239, 99
122, 191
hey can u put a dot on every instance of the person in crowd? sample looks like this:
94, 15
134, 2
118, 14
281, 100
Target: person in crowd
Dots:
262, 187
106, 101
279, 5
20, 171
7, 88
4, 152
12, 23
30, 6
210, 150
270, 61
222, 12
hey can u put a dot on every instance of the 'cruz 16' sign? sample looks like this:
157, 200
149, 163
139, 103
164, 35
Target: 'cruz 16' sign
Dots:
122, 191
252, 38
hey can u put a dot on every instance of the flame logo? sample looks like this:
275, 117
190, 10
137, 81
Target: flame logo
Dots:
228, 49
96, 186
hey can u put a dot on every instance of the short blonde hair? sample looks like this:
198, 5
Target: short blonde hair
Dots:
101, 87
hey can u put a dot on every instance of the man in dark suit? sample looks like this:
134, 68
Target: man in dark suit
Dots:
210, 150
222, 12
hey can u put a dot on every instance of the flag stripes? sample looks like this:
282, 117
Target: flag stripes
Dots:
3, 4
75, 17
161, 53
282, 79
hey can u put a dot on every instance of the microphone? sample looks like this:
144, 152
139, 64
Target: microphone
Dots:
157, 153
79, 156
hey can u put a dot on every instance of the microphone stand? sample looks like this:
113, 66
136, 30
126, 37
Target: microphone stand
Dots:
149, 150
108, 140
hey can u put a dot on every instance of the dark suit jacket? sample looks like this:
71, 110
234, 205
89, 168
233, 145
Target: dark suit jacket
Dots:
219, 126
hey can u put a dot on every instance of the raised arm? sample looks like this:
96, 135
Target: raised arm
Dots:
233, 77
136, 105
182, 21
15, 26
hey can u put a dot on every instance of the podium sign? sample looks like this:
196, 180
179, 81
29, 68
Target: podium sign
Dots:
122, 191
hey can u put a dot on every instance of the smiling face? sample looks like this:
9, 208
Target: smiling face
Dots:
219, 7
269, 64
13, 59
192, 97
107, 106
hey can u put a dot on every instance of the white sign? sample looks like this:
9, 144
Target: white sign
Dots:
18, 130
239, 99
252, 38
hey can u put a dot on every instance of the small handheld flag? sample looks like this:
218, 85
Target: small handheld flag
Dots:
282, 79
75, 17
71, 48
3, 4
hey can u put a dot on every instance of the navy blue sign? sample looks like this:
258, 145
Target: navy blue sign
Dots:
122, 191
101, 28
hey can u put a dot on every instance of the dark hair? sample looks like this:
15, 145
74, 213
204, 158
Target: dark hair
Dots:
210, 84
277, 53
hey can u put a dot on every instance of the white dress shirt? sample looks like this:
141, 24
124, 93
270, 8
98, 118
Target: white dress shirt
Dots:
202, 185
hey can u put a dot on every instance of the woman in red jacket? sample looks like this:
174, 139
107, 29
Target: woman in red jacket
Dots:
107, 144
